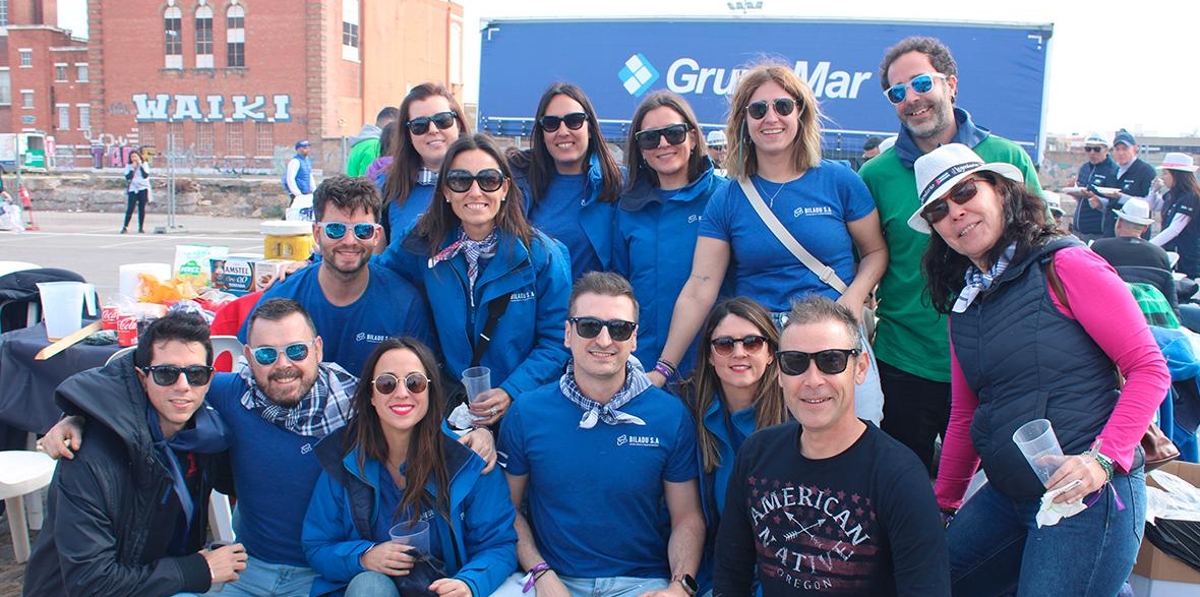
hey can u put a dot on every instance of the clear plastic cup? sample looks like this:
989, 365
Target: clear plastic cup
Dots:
413, 534
477, 380
1038, 443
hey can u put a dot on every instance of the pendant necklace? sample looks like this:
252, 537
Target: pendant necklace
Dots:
771, 199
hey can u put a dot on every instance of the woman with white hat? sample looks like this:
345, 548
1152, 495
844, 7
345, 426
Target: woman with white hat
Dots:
1039, 328
1180, 231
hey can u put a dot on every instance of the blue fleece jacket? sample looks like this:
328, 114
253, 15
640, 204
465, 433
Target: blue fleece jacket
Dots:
595, 217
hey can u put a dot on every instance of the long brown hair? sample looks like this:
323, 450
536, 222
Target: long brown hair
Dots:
402, 174
426, 458
539, 166
1184, 184
740, 159
636, 166
705, 385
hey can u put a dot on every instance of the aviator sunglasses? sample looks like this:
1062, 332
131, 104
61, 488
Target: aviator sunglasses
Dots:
167, 375
783, 106
675, 134
336, 230
724, 345
589, 327
267, 355
489, 179
1094, 149
420, 125
920, 84
831, 361
960, 195
574, 120
415, 383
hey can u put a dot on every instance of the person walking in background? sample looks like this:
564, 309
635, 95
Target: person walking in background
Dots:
298, 178
368, 143
137, 191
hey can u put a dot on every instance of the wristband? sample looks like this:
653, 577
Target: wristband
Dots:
665, 368
533, 575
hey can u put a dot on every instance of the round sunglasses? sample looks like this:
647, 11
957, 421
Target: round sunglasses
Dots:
337, 230
830, 361
963, 192
267, 355
724, 345
167, 375
589, 327
921, 84
386, 383
674, 134
574, 120
489, 179
782, 105
420, 125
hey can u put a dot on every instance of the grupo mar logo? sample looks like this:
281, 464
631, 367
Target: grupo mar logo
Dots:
637, 75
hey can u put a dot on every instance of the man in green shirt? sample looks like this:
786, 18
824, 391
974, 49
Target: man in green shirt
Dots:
920, 78
364, 147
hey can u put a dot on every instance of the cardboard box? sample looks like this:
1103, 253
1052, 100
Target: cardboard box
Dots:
266, 271
235, 274
1157, 573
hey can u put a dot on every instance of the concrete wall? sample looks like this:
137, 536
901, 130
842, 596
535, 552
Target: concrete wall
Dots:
105, 193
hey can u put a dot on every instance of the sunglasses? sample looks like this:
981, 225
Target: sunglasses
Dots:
267, 355
920, 84
167, 375
960, 195
783, 106
336, 230
675, 134
415, 383
724, 345
420, 125
831, 361
589, 327
1094, 149
489, 179
574, 120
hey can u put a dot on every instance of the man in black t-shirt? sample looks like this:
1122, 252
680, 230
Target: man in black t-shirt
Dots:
828, 504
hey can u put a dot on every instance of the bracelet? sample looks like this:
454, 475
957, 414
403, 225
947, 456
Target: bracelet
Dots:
665, 368
533, 575
1106, 463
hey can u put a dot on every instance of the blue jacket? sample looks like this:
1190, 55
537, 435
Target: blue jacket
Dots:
527, 348
713, 485
595, 215
479, 543
653, 247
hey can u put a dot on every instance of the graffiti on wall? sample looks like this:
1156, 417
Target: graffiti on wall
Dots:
162, 107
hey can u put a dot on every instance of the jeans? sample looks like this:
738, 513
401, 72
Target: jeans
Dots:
996, 547
612, 586
915, 411
264, 579
137, 199
371, 584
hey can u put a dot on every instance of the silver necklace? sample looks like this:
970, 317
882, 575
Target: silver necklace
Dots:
771, 199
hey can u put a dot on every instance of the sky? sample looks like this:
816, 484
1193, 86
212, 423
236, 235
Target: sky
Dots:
1135, 67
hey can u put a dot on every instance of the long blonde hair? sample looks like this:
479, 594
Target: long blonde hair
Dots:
740, 160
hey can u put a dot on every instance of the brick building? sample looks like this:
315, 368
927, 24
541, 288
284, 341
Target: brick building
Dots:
233, 84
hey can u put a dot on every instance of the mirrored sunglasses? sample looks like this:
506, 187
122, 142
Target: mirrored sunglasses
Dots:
830, 361
674, 134
415, 383
489, 179
336, 230
420, 125
574, 120
783, 106
267, 355
167, 375
724, 345
589, 327
921, 84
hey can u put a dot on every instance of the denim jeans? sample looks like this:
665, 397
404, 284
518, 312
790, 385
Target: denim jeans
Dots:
371, 584
996, 547
263, 579
612, 586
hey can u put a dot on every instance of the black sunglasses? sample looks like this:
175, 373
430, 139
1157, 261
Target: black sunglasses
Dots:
337, 230
415, 383
783, 106
831, 361
960, 195
675, 134
267, 355
589, 327
489, 179
574, 120
420, 124
1094, 149
724, 345
167, 375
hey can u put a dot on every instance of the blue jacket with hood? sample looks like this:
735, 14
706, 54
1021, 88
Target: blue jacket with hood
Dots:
595, 216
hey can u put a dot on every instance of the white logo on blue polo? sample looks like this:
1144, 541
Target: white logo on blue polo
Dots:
644, 441
637, 75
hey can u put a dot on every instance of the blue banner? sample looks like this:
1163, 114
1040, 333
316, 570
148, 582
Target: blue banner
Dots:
1002, 69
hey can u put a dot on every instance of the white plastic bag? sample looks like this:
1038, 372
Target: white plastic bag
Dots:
1177, 500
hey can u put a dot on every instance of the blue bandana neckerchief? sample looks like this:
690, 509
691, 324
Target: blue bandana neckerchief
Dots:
207, 434
322, 411
977, 281
473, 250
636, 382
427, 177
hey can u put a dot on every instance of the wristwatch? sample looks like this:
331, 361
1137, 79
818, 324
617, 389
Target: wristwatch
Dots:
689, 584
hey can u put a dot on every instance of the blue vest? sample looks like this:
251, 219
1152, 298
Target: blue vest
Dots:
303, 176
1025, 360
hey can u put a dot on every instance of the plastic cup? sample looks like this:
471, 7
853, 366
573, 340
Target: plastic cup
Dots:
412, 534
477, 380
1038, 443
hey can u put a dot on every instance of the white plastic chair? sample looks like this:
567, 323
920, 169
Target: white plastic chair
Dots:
23, 473
227, 344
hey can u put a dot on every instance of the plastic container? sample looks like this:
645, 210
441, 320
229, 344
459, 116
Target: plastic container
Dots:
287, 240
62, 304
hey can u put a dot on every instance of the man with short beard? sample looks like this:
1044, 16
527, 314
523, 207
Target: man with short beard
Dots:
354, 303
920, 78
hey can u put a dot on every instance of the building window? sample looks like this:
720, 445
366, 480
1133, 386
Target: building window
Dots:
264, 139
81, 72
3, 13
173, 36
27, 99
60, 73
175, 140
146, 134
85, 117
64, 117
204, 140
350, 22
204, 37
26, 57
234, 140
235, 36
5, 86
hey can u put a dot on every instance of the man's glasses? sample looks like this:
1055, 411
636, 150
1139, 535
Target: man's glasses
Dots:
675, 134
831, 361
489, 179
167, 375
724, 345
1094, 149
420, 125
267, 355
921, 84
783, 106
960, 195
336, 230
589, 327
415, 383
574, 120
